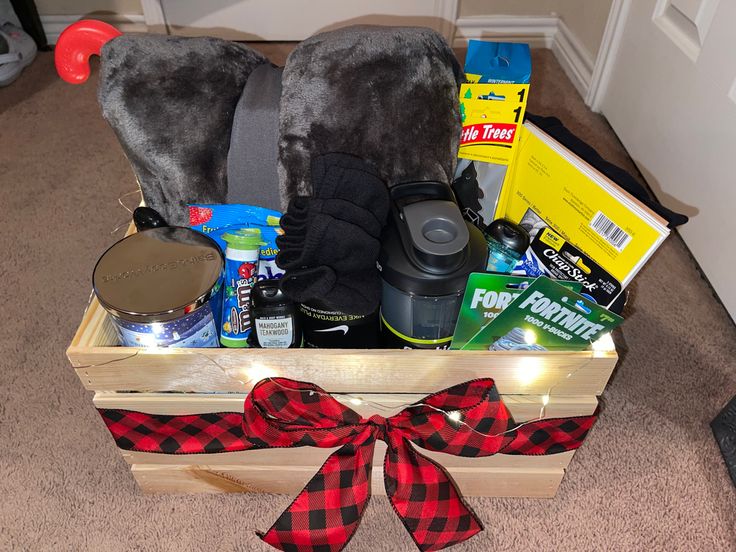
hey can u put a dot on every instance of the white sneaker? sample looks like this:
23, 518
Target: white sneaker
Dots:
17, 50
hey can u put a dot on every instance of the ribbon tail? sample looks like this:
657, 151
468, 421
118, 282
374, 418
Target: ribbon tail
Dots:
426, 499
325, 515
549, 436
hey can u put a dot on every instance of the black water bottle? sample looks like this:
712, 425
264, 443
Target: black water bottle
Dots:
274, 317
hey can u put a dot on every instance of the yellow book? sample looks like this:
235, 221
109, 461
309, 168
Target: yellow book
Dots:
549, 186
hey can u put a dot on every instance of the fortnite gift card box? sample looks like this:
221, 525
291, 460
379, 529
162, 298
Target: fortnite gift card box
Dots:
195, 381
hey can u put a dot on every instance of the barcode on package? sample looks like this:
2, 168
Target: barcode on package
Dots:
608, 230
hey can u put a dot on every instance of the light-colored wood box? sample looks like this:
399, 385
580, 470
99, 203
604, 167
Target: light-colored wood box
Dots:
189, 381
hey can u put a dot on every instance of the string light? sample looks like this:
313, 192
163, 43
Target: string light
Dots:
120, 227
257, 371
155, 350
149, 340
530, 369
124, 206
603, 344
111, 361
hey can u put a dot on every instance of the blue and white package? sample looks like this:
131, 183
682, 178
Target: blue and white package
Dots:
219, 219
207, 218
499, 62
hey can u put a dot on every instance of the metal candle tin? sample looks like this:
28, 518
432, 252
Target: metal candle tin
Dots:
161, 287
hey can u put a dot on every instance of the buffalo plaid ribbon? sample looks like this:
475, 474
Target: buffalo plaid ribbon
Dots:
465, 420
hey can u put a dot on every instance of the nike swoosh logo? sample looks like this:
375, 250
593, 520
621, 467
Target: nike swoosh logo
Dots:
343, 329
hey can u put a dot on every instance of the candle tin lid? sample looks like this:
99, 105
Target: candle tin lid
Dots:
158, 275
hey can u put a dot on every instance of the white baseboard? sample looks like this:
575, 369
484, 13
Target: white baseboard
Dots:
538, 32
53, 25
576, 61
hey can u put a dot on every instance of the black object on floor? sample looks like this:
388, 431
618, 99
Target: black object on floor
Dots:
724, 430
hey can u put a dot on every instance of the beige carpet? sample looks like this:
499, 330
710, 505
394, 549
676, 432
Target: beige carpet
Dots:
648, 478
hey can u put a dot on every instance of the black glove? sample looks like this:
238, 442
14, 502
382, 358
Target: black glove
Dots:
331, 241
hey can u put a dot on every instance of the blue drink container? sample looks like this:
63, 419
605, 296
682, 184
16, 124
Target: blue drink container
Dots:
507, 242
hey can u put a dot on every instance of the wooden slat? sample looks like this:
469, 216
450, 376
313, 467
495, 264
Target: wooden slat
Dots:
290, 480
346, 371
340, 370
314, 457
522, 407
96, 328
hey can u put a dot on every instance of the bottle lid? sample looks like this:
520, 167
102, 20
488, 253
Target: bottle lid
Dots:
427, 248
268, 293
509, 234
244, 238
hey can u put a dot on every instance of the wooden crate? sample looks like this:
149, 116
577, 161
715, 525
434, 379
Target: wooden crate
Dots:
189, 381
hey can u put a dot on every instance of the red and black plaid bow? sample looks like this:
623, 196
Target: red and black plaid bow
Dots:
281, 412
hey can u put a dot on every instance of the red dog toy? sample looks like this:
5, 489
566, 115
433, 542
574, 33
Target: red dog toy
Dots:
79, 41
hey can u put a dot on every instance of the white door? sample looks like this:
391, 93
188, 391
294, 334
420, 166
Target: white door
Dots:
286, 20
671, 98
